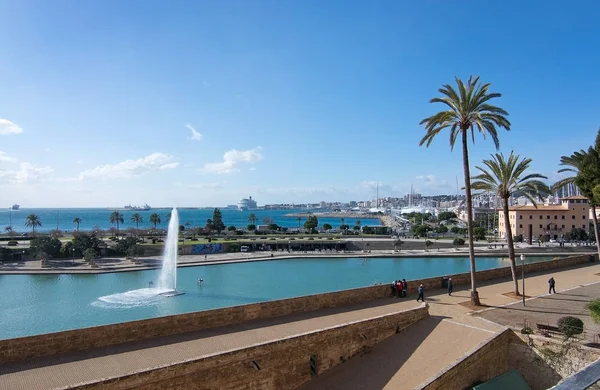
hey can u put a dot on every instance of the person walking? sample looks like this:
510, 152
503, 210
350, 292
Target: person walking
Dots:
449, 286
394, 288
552, 284
420, 291
404, 287
400, 285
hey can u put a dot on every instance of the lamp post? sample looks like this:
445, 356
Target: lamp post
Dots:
523, 276
73, 258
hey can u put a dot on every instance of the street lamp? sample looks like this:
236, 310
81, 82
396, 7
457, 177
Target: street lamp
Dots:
73, 258
523, 276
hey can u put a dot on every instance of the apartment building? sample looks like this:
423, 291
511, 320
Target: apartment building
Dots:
547, 220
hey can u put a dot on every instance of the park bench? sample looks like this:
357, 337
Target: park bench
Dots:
547, 329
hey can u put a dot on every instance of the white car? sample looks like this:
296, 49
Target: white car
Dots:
552, 240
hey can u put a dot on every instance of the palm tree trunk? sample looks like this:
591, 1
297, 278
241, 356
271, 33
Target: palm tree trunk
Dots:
511, 245
474, 293
595, 220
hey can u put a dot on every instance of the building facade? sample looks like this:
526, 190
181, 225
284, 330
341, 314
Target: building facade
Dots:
553, 221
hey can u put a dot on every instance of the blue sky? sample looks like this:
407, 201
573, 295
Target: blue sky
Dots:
289, 101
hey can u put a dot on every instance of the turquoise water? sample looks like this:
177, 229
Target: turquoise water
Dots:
36, 304
99, 218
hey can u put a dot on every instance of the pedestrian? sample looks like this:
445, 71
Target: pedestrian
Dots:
552, 283
420, 291
399, 287
449, 286
394, 287
404, 287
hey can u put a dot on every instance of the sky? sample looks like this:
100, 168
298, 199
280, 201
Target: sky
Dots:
200, 103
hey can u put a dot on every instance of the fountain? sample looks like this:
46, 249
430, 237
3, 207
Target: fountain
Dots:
167, 281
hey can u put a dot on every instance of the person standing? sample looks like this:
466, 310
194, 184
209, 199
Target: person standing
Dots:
404, 287
552, 284
449, 286
421, 292
400, 286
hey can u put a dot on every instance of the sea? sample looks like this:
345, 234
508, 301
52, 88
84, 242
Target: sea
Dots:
98, 218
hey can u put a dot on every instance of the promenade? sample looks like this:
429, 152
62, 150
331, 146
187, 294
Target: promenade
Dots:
405, 360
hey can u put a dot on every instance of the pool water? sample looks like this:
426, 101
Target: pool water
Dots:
36, 304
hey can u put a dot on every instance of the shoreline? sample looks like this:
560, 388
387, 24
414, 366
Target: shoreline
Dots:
123, 265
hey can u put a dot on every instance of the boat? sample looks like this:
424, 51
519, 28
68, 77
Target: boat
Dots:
15, 206
145, 207
247, 204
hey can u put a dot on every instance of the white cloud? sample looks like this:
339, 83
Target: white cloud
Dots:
129, 168
26, 173
8, 127
195, 135
231, 159
5, 158
205, 186
432, 183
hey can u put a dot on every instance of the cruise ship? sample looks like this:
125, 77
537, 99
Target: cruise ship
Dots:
15, 207
247, 204
145, 207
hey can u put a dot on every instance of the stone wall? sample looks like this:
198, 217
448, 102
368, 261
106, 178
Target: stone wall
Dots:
82, 339
282, 364
488, 360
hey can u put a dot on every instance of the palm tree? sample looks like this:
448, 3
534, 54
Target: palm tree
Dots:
505, 177
467, 111
154, 219
116, 218
137, 219
585, 167
77, 221
33, 221
299, 219
252, 219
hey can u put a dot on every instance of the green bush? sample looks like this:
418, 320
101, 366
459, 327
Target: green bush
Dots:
458, 242
526, 330
570, 326
594, 308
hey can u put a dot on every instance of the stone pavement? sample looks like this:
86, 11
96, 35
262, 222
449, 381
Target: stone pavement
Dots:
403, 361
409, 358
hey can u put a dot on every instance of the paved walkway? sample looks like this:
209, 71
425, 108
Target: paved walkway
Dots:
409, 358
403, 361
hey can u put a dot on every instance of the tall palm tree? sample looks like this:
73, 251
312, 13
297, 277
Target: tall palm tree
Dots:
252, 219
467, 111
299, 219
505, 177
77, 221
154, 219
137, 219
116, 218
585, 167
33, 221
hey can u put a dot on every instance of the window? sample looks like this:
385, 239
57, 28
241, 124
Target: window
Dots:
572, 217
573, 227
583, 227
583, 217
541, 217
563, 226
548, 217
556, 217
584, 201
562, 217
541, 226
520, 226
531, 217
520, 217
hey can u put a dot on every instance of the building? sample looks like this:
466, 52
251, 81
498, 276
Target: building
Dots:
553, 221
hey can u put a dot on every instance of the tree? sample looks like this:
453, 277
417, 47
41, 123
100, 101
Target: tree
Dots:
585, 166
77, 221
468, 110
327, 227
428, 244
217, 220
123, 245
273, 227
577, 234
137, 219
570, 326
154, 219
300, 220
421, 230
357, 222
83, 241
252, 219
251, 227
441, 229
90, 254
505, 177
231, 228
344, 227
479, 233
311, 223
398, 243
45, 244
446, 216
33, 221
594, 308
209, 227
116, 218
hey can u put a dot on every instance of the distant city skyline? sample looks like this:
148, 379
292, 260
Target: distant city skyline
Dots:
203, 103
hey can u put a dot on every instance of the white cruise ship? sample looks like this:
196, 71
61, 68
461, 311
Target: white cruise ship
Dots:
246, 204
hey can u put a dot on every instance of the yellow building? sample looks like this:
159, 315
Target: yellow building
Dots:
553, 221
